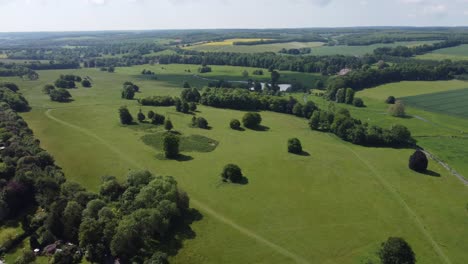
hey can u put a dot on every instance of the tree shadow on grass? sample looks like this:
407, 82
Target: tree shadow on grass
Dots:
180, 158
181, 231
239, 129
260, 128
304, 153
431, 173
243, 181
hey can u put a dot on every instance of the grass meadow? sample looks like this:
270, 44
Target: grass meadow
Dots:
453, 53
335, 205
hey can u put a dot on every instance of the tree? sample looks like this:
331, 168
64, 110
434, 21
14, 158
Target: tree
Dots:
396, 251
319, 84
298, 110
141, 117
171, 146
397, 109
251, 120
257, 86
192, 106
150, 114
390, 100
202, 123
168, 125
128, 92
232, 173
341, 95
418, 161
245, 74
349, 97
235, 124
315, 121
72, 220
358, 102
86, 83
158, 119
185, 107
294, 146
125, 116
186, 84
48, 88
275, 76
60, 95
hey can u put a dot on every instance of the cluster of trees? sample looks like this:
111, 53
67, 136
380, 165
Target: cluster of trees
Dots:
353, 130
251, 120
346, 96
300, 51
294, 146
184, 106
9, 70
257, 72
156, 119
67, 81
232, 173
10, 95
129, 89
190, 95
199, 122
309, 37
403, 51
157, 101
204, 69
148, 72
60, 95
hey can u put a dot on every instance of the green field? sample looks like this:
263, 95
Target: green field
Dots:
450, 103
317, 47
453, 53
335, 206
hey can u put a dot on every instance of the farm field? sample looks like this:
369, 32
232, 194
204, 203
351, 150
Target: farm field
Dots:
337, 206
317, 47
453, 53
450, 103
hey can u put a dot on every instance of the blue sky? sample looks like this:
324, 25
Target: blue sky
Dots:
80, 15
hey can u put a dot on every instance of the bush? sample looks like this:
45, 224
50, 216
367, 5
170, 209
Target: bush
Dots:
157, 101
397, 109
86, 83
418, 161
358, 102
186, 85
171, 146
390, 100
60, 95
158, 119
232, 173
141, 117
251, 120
395, 251
48, 88
128, 92
235, 124
202, 123
168, 125
125, 116
294, 146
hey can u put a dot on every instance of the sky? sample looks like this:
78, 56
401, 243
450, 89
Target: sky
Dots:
87, 15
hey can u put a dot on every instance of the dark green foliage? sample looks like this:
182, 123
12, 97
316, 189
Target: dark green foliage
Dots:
418, 161
171, 146
15, 100
125, 116
185, 108
12, 86
141, 117
258, 72
192, 107
190, 143
390, 100
134, 86
397, 109
232, 173
128, 92
204, 69
251, 120
168, 125
396, 251
349, 97
26, 257
157, 101
294, 146
60, 95
358, 102
341, 95
190, 95
200, 122
186, 85
158, 119
235, 124
86, 83
47, 88
150, 114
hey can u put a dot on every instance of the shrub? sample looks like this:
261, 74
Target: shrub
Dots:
202, 123
60, 95
395, 251
150, 114
48, 88
141, 117
358, 102
294, 146
157, 101
390, 100
171, 146
86, 83
251, 120
128, 92
418, 161
168, 125
186, 85
158, 119
397, 109
125, 116
235, 124
232, 173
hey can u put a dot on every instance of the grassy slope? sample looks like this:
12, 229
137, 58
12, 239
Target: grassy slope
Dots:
334, 206
228, 47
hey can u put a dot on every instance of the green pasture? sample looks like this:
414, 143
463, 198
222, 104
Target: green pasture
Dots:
453, 53
335, 205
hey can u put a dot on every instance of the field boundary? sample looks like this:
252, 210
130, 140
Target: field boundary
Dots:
283, 251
